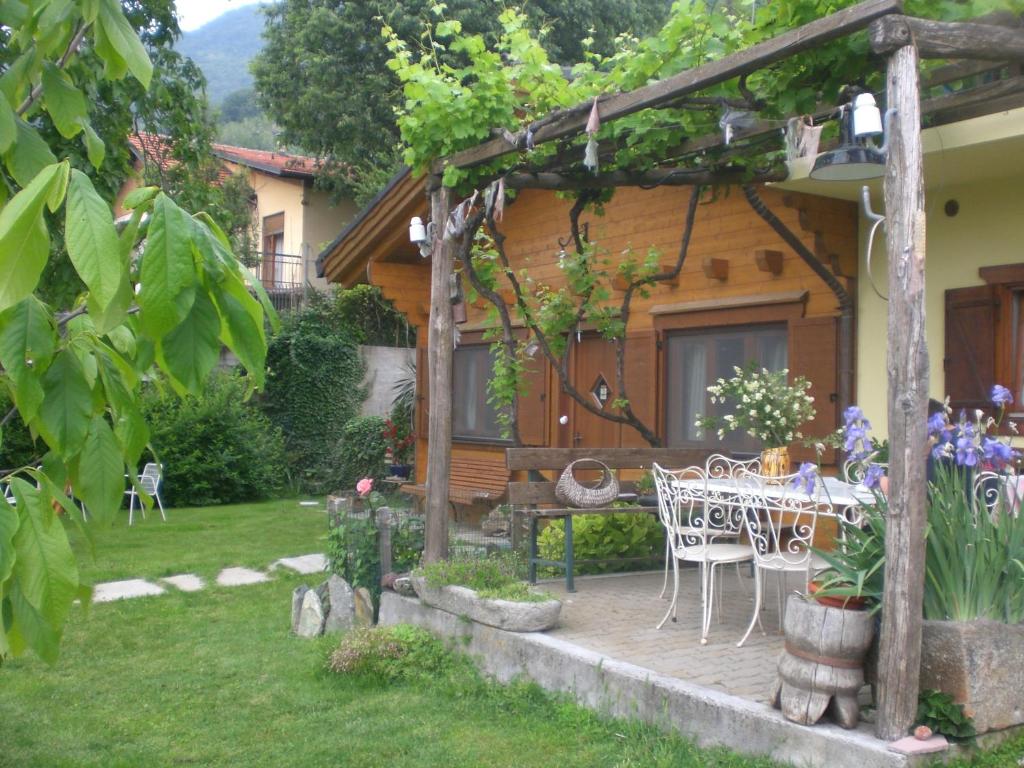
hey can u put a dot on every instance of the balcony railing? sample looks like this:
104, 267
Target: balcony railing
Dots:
283, 277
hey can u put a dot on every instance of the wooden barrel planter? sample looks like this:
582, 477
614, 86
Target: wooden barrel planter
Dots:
822, 666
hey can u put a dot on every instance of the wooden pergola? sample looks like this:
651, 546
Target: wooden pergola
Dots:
904, 41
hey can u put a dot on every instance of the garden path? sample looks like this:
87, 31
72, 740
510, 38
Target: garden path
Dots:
187, 582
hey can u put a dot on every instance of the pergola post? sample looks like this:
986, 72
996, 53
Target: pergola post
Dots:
899, 662
440, 346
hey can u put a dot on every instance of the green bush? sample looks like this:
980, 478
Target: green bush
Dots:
360, 452
605, 537
399, 653
939, 712
216, 449
314, 375
353, 552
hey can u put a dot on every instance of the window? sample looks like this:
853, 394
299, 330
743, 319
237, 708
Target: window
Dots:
473, 417
695, 359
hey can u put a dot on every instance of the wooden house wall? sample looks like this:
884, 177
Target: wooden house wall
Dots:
725, 228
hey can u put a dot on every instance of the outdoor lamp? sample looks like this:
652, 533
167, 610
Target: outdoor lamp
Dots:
854, 159
421, 234
867, 120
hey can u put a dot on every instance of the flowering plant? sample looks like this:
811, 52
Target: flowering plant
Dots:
766, 407
365, 490
399, 439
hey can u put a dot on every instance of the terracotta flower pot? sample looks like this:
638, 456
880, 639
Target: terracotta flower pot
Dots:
856, 603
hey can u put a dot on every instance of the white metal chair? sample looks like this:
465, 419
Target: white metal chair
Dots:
780, 519
149, 481
691, 533
718, 505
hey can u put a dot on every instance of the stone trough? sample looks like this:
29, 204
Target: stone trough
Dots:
511, 616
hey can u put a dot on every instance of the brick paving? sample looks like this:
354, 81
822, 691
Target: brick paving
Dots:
617, 615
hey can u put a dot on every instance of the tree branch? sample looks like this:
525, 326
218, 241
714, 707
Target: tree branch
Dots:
37, 89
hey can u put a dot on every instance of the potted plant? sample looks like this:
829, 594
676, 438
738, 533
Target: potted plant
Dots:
400, 440
646, 495
765, 406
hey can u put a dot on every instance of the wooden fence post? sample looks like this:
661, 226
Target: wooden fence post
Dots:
899, 662
440, 343
384, 539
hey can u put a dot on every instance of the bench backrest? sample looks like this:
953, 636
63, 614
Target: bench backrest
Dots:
485, 474
543, 492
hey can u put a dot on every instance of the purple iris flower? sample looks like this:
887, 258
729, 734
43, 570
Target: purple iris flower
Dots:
806, 478
936, 424
966, 451
852, 414
997, 453
874, 475
853, 435
1001, 396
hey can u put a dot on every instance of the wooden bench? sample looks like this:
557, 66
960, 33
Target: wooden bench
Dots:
537, 494
471, 480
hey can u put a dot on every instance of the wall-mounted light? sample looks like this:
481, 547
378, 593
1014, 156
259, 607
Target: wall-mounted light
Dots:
422, 235
856, 158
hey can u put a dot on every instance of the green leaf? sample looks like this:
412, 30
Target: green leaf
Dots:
8, 127
242, 326
168, 270
24, 240
100, 481
138, 196
27, 343
121, 39
45, 573
190, 351
8, 527
92, 241
65, 103
65, 413
28, 156
95, 149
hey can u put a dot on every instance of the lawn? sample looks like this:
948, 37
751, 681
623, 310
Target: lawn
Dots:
215, 679
203, 540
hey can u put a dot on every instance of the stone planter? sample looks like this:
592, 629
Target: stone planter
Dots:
981, 665
822, 666
503, 614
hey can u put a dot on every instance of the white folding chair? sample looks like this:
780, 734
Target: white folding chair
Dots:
780, 519
718, 504
149, 481
691, 531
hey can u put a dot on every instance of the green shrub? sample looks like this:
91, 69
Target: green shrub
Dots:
498, 576
17, 448
314, 375
939, 712
360, 452
353, 552
216, 449
399, 653
605, 537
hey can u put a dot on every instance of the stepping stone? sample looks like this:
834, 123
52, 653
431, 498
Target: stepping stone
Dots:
302, 564
124, 590
186, 582
909, 745
237, 577
309, 503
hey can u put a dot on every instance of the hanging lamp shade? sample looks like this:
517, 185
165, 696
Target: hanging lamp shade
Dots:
852, 160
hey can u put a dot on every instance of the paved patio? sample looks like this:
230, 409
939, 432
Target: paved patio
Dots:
616, 615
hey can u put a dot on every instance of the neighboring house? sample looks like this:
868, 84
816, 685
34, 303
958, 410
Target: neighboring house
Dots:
291, 220
684, 336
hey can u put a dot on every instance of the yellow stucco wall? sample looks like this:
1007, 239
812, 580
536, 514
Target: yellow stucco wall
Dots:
277, 195
321, 224
988, 230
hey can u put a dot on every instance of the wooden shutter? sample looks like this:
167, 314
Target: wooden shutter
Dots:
813, 354
641, 386
533, 405
969, 358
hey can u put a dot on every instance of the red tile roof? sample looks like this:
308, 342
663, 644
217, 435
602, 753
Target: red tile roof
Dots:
158, 149
277, 163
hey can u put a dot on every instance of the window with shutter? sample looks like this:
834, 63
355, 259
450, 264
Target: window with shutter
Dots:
813, 354
969, 360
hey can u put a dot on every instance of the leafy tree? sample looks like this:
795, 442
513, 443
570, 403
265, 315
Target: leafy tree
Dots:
73, 373
239, 105
323, 76
252, 132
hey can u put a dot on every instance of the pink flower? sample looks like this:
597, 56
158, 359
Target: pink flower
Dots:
364, 486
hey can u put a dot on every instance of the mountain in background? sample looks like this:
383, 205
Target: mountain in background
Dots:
223, 49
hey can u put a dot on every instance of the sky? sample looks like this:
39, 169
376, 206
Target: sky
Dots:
192, 14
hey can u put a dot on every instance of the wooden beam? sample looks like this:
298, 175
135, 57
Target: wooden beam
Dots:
440, 345
658, 177
769, 261
899, 661
715, 269
573, 121
947, 39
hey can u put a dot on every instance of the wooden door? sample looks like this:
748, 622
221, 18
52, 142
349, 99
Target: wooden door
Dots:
594, 377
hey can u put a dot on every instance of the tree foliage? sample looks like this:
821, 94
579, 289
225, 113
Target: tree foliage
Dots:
164, 291
322, 75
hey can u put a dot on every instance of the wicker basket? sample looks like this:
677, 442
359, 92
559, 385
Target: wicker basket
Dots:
572, 493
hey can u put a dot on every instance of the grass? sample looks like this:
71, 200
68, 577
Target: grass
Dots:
215, 679
202, 540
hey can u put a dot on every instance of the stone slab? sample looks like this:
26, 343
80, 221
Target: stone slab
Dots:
297, 595
311, 615
124, 590
238, 577
621, 689
341, 601
315, 563
909, 745
503, 614
186, 582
